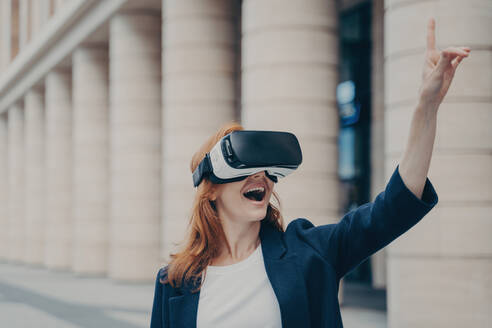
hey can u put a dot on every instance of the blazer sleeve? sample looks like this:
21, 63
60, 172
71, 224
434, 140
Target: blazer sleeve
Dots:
370, 227
157, 318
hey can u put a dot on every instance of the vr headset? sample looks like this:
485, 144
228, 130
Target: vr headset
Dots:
246, 152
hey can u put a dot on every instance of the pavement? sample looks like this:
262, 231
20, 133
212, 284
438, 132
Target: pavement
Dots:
37, 297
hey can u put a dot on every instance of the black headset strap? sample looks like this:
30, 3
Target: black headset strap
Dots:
203, 168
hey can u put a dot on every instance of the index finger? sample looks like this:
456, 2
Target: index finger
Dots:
431, 35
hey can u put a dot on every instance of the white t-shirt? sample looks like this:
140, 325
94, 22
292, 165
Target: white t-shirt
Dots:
238, 295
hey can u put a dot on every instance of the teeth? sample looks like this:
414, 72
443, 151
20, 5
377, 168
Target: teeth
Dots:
256, 189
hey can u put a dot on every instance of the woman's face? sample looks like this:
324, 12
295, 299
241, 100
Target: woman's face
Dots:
245, 200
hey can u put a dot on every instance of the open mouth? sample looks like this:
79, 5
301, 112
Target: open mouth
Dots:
255, 194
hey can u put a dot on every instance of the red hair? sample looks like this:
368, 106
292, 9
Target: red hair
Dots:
205, 234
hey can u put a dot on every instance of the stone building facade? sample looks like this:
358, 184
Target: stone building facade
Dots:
102, 104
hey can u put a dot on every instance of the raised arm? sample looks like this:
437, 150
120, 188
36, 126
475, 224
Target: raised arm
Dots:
409, 195
437, 75
368, 228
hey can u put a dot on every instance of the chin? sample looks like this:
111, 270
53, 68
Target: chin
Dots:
259, 215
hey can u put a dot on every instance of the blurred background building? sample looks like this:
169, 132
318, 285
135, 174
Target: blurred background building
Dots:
103, 103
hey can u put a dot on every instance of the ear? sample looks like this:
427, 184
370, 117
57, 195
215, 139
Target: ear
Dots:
213, 194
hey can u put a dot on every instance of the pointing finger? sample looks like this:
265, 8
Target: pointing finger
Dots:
431, 35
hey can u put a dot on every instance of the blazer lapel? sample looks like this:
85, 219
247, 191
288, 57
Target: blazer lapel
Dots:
287, 282
183, 307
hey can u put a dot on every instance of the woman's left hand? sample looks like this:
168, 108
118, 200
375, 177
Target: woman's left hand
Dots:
439, 69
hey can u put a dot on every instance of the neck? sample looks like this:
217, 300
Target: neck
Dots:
242, 240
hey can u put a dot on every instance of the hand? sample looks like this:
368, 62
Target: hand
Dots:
439, 68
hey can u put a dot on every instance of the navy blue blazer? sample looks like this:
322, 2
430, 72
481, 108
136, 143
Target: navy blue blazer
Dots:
305, 263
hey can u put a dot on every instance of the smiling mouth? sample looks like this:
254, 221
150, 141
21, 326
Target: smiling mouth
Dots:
256, 194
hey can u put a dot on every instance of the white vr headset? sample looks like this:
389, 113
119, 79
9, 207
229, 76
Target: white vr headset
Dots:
243, 153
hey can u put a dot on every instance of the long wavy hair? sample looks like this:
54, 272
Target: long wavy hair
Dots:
205, 235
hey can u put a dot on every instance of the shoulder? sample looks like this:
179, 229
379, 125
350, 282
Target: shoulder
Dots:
298, 224
302, 230
302, 226
162, 274
321, 239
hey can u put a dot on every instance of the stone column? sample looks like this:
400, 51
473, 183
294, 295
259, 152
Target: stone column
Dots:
24, 23
58, 4
44, 11
16, 228
3, 34
288, 83
14, 28
289, 78
35, 17
35, 174
135, 146
191, 30
439, 272
4, 188
6, 32
40, 14
91, 159
58, 247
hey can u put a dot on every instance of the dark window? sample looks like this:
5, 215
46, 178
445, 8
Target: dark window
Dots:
354, 101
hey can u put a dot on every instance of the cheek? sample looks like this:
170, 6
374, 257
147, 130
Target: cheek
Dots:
230, 194
235, 197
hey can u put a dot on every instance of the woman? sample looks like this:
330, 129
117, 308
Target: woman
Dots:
240, 268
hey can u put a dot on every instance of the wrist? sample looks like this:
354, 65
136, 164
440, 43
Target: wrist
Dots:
429, 109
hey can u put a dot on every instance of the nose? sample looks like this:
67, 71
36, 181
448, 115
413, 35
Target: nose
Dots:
259, 174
